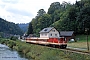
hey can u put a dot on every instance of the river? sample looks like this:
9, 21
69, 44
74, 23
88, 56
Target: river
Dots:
7, 54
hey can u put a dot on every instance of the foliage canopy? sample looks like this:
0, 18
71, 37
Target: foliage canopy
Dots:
64, 17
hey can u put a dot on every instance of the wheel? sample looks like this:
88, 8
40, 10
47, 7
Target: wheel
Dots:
63, 46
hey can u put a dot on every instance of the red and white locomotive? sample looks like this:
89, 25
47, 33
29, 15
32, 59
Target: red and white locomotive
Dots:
54, 42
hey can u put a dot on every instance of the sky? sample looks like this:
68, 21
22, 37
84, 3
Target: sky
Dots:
22, 11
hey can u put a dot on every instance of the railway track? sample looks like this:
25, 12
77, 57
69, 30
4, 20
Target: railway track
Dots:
66, 49
76, 51
73, 50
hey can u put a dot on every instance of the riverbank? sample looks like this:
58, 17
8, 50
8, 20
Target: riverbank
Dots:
37, 52
8, 54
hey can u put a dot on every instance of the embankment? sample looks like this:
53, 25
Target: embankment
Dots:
37, 52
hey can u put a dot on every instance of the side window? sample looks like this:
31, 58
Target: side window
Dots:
51, 35
55, 34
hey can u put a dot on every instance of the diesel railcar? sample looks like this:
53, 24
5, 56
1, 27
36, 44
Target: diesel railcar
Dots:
52, 42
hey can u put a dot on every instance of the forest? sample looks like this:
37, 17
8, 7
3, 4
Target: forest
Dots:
23, 26
64, 17
9, 28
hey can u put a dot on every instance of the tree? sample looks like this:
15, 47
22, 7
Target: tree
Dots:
30, 29
64, 17
83, 18
54, 11
9, 27
41, 12
54, 6
44, 21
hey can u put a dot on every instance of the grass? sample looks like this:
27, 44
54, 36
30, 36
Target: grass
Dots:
82, 38
78, 44
81, 42
37, 52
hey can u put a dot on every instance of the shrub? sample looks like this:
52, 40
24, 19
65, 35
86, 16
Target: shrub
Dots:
2, 41
13, 38
11, 44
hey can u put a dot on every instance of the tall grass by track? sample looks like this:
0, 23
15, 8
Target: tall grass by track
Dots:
81, 42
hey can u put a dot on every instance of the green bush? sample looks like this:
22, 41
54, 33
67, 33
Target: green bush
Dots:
0, 36
2, 41
11, 44
13, 38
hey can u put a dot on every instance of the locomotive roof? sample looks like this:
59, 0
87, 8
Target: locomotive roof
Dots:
66, 33
46, 30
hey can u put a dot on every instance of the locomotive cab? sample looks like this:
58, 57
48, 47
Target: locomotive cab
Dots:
63, 43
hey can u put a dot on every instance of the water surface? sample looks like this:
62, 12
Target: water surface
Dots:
7, 54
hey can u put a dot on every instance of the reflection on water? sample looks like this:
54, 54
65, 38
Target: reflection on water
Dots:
7, 54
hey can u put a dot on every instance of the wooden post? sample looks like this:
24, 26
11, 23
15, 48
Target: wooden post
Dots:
86, 29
